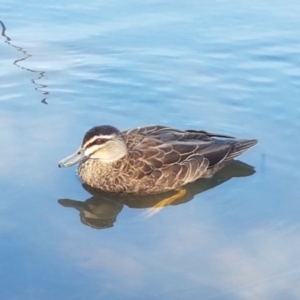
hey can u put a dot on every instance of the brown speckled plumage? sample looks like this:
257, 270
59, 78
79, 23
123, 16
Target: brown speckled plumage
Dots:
159, 159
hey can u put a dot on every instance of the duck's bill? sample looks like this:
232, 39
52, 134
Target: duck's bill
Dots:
72, 159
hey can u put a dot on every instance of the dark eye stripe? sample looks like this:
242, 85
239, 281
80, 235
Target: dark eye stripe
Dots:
96, 142
99, 130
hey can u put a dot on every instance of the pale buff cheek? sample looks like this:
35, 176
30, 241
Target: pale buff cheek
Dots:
100, 152
111, 152
92, 151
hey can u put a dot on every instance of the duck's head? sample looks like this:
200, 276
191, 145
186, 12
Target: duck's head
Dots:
101, 142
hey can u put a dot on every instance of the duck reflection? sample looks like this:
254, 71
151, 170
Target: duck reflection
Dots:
101, 210
39, 87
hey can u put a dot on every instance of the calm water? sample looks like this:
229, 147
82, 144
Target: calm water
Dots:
232, 68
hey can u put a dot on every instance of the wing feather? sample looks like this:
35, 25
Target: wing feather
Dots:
167, 156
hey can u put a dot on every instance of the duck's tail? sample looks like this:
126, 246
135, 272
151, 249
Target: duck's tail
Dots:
239, 146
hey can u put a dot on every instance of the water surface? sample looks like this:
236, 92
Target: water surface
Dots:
231, 68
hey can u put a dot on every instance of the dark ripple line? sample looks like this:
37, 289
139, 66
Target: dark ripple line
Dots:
40, 87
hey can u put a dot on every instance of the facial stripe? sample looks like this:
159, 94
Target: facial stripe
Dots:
98, 140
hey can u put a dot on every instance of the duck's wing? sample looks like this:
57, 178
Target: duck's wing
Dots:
149, 135
167, 166
166, 133
206, 133
175, 163
151, 130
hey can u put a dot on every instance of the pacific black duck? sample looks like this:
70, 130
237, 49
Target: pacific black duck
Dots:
151, 159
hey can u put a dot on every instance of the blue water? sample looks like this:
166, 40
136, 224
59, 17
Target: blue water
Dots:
231, 68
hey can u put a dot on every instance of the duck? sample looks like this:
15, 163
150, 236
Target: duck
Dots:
151, 159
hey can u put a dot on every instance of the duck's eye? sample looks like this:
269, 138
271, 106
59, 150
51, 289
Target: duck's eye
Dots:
100, 141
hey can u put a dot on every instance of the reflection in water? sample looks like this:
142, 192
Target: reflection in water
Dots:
40, 87
101, 210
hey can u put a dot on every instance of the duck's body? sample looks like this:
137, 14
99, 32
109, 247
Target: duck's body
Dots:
152, 159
